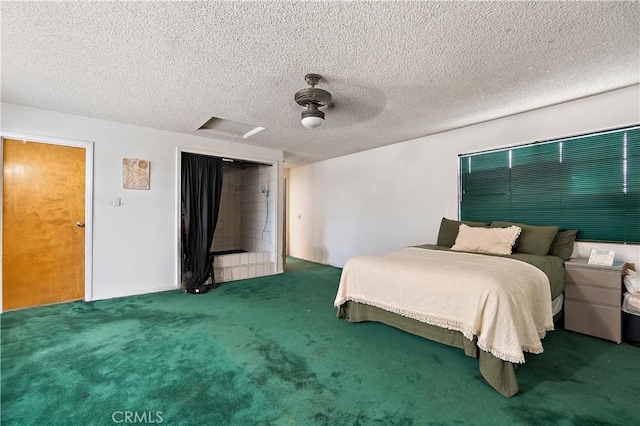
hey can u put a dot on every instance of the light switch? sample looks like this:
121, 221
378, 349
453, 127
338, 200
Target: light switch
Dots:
117, 202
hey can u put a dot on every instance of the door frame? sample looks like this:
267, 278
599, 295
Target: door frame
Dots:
88, 199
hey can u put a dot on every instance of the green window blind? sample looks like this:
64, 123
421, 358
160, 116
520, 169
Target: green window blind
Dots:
590, 183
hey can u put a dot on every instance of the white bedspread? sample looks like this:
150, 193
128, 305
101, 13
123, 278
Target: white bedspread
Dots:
503, 302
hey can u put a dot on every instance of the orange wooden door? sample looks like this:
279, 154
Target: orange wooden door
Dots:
42, 244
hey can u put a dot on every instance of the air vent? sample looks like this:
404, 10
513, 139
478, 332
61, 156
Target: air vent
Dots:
234, 129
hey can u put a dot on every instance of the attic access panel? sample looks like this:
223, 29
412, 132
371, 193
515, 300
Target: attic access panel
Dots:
235, 129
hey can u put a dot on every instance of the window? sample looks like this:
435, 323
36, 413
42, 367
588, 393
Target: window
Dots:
590, 183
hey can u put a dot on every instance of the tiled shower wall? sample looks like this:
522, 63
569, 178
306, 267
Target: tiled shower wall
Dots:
228, 234
258, 208
244, 209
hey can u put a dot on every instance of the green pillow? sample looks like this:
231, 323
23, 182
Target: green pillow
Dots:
533, 239
562, 245
449, 230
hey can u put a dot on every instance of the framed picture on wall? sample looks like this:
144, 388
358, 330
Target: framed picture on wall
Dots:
135, 173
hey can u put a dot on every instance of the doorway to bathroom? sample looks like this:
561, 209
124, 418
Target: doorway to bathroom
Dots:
244, 242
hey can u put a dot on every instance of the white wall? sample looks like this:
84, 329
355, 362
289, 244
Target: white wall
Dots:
134, 246
388, 198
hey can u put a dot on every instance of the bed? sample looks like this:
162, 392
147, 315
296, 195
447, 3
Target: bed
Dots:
503, 303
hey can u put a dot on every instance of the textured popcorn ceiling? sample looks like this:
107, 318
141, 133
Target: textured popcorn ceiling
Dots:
396, 70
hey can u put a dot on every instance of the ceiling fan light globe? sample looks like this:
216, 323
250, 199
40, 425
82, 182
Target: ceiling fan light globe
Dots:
312, 117
312, 122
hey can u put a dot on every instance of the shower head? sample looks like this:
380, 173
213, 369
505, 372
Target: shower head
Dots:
265, 191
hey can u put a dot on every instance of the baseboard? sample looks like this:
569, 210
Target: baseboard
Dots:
135, 292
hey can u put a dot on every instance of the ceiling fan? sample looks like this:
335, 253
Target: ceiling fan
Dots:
312, 98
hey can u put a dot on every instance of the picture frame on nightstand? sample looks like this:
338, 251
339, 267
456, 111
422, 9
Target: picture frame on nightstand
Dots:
601, 257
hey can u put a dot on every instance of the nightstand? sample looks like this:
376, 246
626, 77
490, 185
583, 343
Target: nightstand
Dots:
593, 299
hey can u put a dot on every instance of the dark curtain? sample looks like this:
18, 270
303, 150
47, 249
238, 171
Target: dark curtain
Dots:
201, 189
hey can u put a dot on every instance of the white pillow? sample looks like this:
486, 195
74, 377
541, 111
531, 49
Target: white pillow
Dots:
486, 240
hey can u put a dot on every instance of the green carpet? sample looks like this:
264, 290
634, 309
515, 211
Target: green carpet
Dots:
270, 351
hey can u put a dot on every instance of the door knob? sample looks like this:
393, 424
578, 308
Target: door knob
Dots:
80, 224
